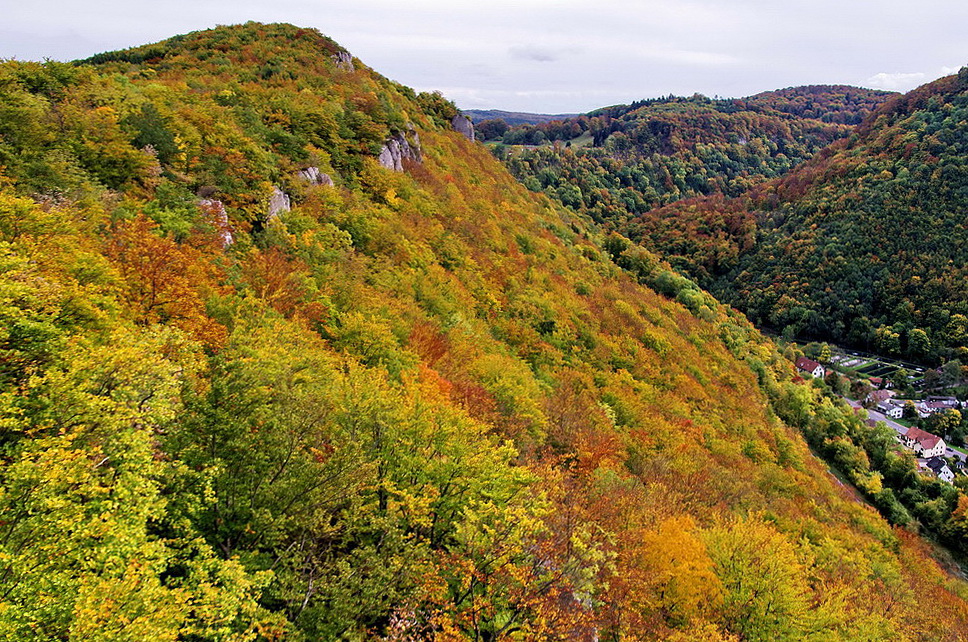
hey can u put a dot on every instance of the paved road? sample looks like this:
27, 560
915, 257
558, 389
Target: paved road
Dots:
877, 416
901, 430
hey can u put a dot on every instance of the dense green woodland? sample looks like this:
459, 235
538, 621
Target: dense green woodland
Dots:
417, 404
511, 117
864, 245
629, 159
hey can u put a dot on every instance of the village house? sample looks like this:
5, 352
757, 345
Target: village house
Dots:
927, 408
891, 409
938, 402
879, 396
923, 443
810, 367
940, 468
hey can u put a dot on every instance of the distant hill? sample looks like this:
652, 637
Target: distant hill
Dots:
841, 104
283, 356
513, 117
618, 162
865, 244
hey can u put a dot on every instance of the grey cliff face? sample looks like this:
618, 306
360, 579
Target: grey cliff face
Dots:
215, 209
398, 148
313, 176
278, 202
344, 61
464, 126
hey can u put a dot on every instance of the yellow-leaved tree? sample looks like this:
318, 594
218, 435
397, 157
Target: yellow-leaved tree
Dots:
86, 549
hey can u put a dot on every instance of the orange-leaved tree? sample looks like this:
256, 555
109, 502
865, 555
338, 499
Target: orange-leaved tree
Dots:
166, 282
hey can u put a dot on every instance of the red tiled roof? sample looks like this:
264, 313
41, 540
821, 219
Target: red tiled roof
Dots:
926, 439
881, 395
807, 365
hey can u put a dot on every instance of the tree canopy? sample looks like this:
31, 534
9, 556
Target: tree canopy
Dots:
415, 404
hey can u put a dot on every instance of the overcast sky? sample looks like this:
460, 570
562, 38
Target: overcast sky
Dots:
552, 56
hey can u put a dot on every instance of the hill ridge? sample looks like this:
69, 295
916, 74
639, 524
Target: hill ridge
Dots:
423, 403
880, 180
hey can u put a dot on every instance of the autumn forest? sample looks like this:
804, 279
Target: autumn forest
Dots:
288, 352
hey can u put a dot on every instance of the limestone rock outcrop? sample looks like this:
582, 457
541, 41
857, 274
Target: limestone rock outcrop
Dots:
463, 125
313, 176
400, 147
214, 209
278, 202
344, 61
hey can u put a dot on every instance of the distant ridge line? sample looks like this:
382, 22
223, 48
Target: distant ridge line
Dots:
514, 117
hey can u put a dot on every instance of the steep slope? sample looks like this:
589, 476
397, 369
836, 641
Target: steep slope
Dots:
415, 401
618, 162
864, 245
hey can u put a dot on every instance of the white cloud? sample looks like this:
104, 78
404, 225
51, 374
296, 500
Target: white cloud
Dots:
687, 57
906, 81
538, 53
897, 81
473, 98
552, 55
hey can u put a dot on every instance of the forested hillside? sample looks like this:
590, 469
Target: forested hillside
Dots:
619, 162
864, 245
284, 356
513, 117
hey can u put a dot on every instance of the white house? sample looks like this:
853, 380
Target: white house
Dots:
810, 367
940, 468
891, 409
931, 407
924, 443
